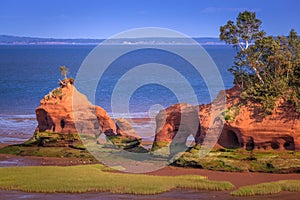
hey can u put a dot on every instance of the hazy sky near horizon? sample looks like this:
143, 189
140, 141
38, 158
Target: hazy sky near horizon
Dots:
105, 18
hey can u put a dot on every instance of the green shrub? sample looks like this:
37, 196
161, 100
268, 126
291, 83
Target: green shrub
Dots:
71, 80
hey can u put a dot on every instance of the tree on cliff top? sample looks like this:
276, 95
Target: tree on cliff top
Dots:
242, 34
64, 71
265, 67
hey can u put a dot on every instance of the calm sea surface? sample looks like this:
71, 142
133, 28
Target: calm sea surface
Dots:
29, 72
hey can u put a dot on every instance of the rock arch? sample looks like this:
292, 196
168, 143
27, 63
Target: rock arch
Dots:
62, 123
229, 139
275, 144
289, 143
45, 122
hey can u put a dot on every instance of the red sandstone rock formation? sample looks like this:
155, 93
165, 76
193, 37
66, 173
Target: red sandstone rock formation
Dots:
244, 126
175, 124
56, 112
66, 111
249, 129
125, 128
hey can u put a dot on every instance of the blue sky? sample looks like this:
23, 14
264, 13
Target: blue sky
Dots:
104, 18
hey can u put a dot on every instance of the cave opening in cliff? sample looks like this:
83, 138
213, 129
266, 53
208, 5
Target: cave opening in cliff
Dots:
289, 144
250, 144
44, 121
229, 139
275, 145
62, 123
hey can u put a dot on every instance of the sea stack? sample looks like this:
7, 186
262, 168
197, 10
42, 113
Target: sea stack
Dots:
65, 114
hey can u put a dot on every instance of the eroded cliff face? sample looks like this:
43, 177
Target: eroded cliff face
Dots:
65, 112
247, 128
243, 125
56, 112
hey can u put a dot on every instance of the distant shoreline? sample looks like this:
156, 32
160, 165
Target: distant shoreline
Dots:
37, 44
18, 40
94, 44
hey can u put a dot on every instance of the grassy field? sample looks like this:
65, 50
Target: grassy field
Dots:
94, 178
268, 188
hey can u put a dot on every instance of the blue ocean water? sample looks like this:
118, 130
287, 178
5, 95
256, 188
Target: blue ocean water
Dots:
29, 72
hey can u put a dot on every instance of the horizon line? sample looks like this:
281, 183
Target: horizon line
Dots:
87, 38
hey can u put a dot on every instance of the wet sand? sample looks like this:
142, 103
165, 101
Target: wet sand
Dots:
236, 178
7, 160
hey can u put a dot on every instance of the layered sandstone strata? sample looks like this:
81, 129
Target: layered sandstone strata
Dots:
65, 114
243, 124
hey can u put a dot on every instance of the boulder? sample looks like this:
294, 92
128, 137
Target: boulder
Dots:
124, 128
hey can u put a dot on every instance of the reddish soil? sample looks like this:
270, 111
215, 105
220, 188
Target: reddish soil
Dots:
7, 160
236, 178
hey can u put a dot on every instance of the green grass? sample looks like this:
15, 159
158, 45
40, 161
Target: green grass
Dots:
59, 152
270, 161
268, 188
48, 139
159, 145
92, 178
124, 142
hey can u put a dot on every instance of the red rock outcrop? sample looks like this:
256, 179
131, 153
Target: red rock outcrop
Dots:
243, 124
66, 111
175, 124
56, 112
248, 129
125, 128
